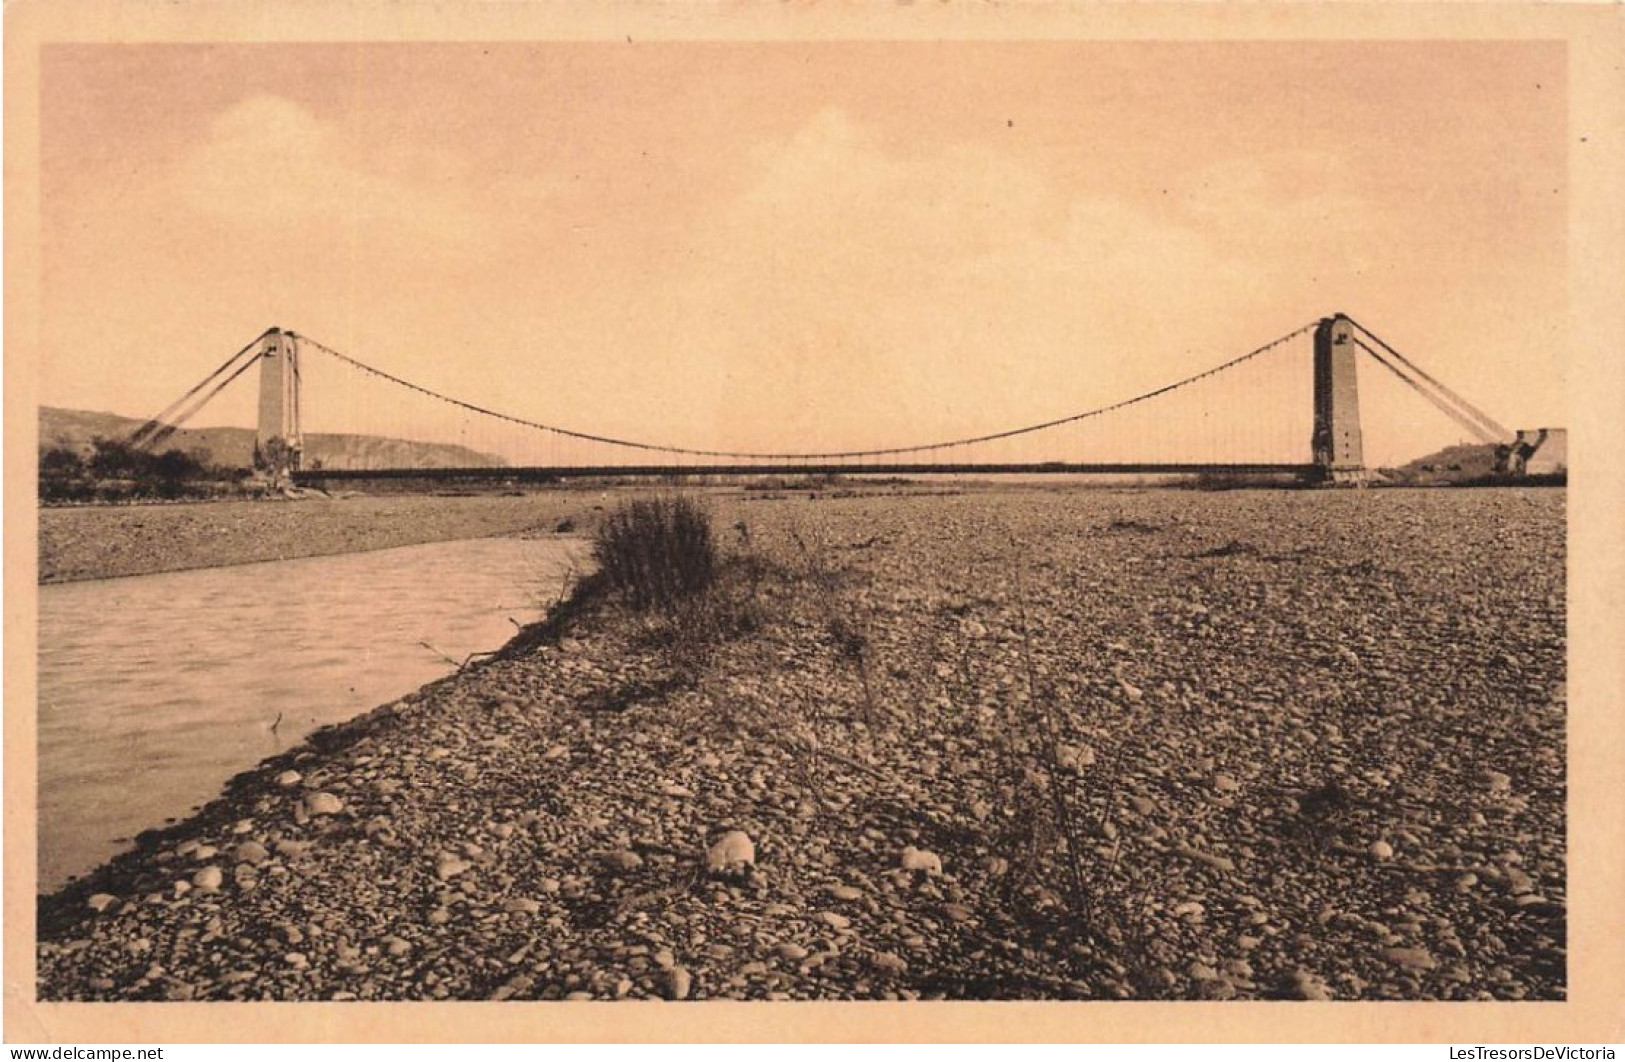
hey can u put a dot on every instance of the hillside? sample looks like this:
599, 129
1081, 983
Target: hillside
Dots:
1461, 461
234, 447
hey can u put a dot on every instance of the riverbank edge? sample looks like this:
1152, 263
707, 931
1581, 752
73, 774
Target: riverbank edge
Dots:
523, 533
67, 905
165, 550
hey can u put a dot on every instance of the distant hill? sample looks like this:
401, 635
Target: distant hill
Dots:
1461, 461
234, 447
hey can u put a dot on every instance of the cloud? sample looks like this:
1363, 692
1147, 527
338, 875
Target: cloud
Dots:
268, 164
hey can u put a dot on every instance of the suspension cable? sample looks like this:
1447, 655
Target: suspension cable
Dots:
1454, 414
1488, 424
830, 455
140, 434
174, 425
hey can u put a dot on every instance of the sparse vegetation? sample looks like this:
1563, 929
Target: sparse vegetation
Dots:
659, 558
656, 553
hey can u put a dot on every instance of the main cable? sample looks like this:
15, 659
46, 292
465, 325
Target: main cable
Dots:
823, 456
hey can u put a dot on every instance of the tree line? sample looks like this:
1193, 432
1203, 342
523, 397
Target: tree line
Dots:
117, 471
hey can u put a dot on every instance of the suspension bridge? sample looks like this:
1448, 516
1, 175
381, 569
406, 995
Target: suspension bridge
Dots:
1244, 415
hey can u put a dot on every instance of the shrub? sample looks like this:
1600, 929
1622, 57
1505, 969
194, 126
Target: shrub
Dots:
657, 552
117, 470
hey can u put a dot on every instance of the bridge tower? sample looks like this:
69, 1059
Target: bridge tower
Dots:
279, 443
1336, 443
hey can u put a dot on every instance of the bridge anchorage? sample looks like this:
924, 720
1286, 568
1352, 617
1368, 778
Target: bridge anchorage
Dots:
1336, 445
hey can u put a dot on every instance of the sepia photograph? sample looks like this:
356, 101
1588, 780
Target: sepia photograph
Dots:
1049, 517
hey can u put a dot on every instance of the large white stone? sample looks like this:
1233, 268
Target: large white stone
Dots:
733, 849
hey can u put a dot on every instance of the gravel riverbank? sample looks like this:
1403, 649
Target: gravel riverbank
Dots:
1037, 744
103, 541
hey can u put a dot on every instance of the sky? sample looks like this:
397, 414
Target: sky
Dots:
805, 245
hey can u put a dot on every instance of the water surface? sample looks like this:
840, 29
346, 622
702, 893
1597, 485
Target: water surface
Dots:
154, 690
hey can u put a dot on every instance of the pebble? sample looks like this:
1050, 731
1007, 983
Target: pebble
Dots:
678, 983
250, 852
102, 901
1217, 862
844, 892
888, 962
732, 849
921, 860
1307, 985
208, 879
1381, 851
1074, 757
833, 920
623, 859
322, 804
1410, 958
288, 779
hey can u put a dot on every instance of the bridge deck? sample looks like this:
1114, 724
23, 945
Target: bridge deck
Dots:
537, 474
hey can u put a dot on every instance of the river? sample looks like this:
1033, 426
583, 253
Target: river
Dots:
154, 690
